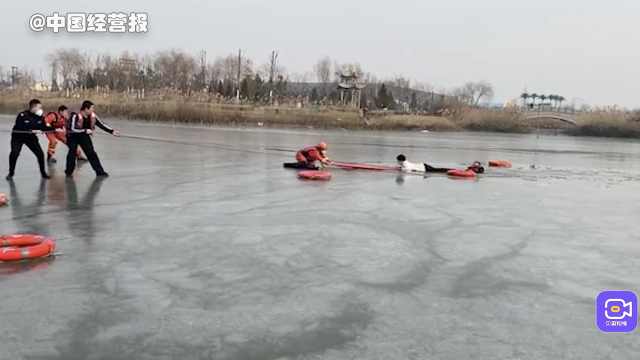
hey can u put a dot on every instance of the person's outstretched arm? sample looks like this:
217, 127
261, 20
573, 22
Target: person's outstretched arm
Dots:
105, 127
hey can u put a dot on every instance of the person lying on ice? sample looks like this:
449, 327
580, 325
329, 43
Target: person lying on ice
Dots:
408, 167
56, 121
308, 156
79, 129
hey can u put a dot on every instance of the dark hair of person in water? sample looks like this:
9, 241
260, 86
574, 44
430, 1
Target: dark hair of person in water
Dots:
86, 105
477, 167
401, 157
33, 103
62, 108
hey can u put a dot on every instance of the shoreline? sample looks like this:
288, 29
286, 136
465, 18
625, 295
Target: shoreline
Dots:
190, 112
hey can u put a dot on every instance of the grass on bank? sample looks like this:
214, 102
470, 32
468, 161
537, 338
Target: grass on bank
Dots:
607, 124
198, 111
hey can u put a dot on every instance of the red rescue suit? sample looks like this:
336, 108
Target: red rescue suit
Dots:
56, 121
309, 155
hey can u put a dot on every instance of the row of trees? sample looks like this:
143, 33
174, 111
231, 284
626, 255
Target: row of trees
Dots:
237, 75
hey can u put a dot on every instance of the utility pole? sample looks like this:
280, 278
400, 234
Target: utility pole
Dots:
14, 76
239, 72
273, 64
272, 70
203, 68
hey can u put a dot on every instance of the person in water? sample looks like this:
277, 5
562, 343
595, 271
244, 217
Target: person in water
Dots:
26, 123
56, 121
308, 156
409, 167
80, 127
476, 167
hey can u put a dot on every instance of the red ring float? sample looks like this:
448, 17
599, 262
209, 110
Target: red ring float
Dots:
500, 163
22, 247
461, 173
314, 175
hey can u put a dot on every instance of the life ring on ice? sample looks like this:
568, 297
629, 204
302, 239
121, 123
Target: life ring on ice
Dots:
458, 173
314, 175
27, 246
500, 163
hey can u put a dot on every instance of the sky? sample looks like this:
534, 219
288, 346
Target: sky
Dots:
583, 50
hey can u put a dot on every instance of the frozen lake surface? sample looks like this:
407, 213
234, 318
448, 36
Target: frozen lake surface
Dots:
211, 250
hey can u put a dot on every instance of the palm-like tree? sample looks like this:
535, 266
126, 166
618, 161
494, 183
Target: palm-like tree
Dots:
560, 100
534, 96
552, 99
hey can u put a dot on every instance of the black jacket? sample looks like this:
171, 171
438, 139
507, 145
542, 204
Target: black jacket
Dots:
28, 121
79, 124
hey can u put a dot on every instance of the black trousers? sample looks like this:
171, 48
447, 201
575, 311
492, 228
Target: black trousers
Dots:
297, 165
430, 169
86, 144
31, 141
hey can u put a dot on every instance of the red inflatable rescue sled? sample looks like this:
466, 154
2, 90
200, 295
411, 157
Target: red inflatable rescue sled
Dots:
22, 247
314, 175
361, 166
500, 163
458, 173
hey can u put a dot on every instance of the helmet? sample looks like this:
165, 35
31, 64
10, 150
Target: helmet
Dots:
322, 146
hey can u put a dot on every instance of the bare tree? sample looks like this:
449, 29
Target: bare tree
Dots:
176, 69
226, 68
472, 93
272, 71
423, 86
400, 82
323, 70
70, 63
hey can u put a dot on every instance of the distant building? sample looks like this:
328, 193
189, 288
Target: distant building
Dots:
40, 86
350, 88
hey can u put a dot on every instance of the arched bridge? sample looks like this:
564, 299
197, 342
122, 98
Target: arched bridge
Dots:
561, 116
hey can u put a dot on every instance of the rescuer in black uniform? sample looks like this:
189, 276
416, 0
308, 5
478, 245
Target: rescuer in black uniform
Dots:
79, 129
27, 122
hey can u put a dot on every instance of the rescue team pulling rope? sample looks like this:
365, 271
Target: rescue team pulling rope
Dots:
75, 129
71, 128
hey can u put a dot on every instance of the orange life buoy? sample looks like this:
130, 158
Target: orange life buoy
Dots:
461, 173
21, 247
314, 175
3, 199
500, 163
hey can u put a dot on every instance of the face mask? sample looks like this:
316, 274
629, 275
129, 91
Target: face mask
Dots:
39, 112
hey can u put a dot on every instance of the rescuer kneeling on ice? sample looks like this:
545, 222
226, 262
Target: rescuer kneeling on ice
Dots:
79, 129
308, 156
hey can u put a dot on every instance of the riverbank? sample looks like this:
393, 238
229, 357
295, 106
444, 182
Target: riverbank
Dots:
199, 110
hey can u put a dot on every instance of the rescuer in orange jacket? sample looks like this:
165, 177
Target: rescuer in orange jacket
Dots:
308, 156
57, 122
